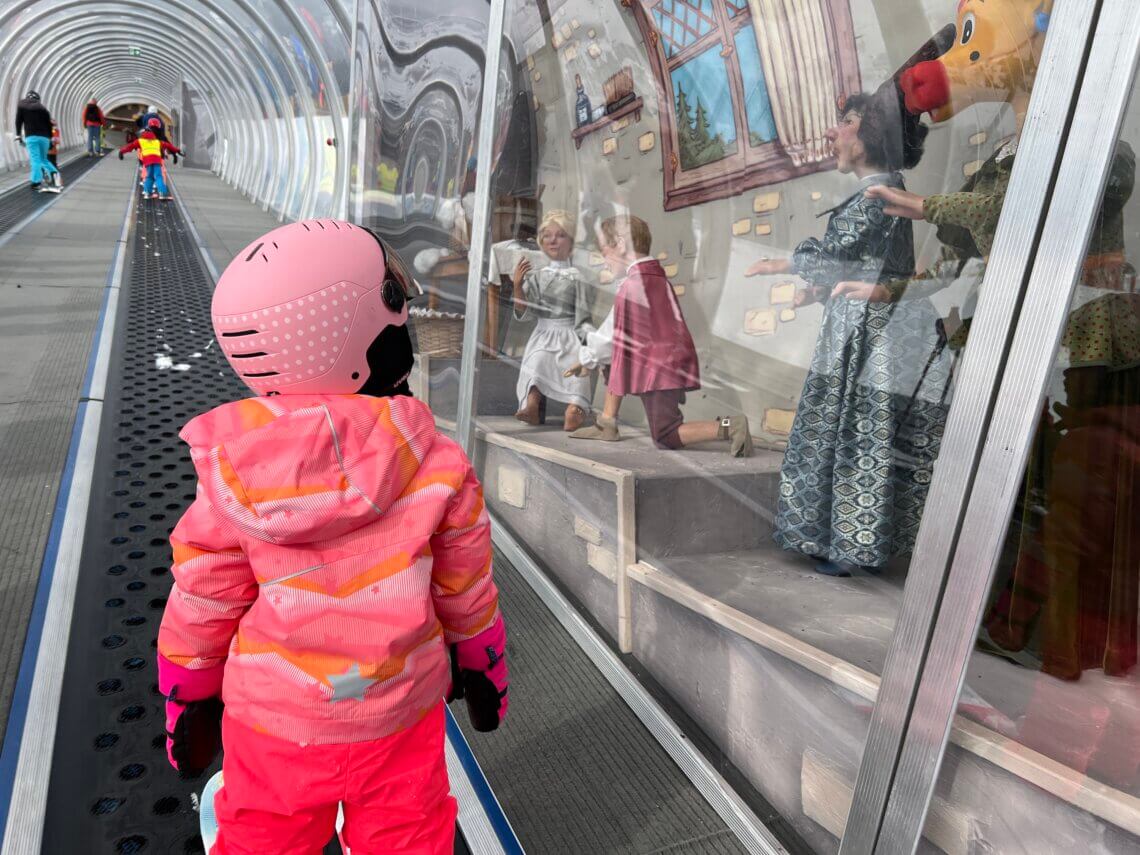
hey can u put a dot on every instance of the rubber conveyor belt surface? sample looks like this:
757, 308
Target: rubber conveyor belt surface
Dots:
112, 791
575, 769
21, 202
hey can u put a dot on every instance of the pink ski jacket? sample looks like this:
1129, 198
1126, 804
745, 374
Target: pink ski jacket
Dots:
336, 546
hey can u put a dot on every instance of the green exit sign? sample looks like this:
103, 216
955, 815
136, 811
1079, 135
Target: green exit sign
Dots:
134, 50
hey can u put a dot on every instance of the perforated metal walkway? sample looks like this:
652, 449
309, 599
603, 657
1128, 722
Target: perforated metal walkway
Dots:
111, 789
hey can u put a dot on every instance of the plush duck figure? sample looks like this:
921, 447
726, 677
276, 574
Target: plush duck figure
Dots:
993, 58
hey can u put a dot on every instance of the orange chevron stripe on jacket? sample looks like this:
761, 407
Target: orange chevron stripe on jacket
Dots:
337, 545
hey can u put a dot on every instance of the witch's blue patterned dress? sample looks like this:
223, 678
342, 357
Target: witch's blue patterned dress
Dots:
870, 417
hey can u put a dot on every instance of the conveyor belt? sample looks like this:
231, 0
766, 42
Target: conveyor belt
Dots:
21, 202
112, 790
575, 769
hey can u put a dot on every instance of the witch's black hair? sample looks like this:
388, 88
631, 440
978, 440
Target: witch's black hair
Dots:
892, 137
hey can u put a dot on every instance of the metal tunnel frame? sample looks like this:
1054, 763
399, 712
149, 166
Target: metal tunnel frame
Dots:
247, 99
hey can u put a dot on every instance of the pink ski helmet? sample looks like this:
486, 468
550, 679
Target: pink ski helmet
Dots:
296, 311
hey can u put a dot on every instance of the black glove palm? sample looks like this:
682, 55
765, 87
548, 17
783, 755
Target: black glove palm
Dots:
197, 737
483, 698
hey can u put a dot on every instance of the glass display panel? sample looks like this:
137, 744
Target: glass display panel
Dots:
414, 169
735, 253
1052, 690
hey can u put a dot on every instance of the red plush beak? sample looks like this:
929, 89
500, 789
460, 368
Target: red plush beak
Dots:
926, 86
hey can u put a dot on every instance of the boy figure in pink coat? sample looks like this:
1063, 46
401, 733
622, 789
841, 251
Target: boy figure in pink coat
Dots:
649, 349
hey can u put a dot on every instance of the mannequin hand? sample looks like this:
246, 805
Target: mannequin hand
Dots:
120, 155
521, 270
19, 140
768, 267
479, 674
576, 370
898, 203
868, 291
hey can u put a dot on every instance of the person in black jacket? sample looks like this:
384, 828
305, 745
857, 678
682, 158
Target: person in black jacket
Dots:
33, 130
143, 122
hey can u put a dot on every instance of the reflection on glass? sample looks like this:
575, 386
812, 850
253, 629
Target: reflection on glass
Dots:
1055, 667
1070, 601
1053, 684
415, 166
731, 278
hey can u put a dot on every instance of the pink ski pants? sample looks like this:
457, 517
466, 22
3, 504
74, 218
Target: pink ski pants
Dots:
282, 798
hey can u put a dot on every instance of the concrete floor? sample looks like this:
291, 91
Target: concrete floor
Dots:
225, 219
53, 278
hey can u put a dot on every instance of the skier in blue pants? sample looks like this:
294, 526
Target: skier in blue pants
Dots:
33, 130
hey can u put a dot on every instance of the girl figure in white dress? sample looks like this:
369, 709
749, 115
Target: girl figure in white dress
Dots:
557, 297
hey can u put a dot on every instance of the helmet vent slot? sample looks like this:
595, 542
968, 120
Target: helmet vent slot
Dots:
254, 252
248, 355
263, 374
239, 333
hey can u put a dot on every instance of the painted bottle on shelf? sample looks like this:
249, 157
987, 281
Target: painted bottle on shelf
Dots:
582, 111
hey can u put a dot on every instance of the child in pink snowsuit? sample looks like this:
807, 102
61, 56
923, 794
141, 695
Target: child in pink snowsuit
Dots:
337, 551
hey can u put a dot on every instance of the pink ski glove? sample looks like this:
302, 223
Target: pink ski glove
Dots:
479, 674
193, 715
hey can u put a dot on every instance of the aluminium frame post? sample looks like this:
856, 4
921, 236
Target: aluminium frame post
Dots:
977, 379
475, 306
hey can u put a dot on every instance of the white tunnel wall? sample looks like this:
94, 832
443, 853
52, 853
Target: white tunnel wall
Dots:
270, 76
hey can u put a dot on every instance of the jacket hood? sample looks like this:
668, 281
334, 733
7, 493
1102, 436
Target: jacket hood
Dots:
303, 468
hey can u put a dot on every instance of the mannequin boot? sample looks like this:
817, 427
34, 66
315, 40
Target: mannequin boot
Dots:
604, 429
735, 430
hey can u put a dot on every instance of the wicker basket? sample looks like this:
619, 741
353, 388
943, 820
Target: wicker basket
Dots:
438, 334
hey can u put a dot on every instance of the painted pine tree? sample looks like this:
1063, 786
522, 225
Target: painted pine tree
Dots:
697, 146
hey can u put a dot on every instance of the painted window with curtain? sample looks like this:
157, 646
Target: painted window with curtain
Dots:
747, 89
